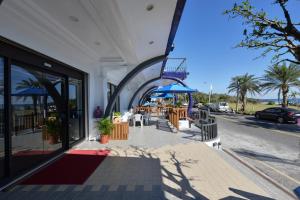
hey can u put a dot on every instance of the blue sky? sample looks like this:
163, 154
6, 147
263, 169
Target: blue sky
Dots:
206, 38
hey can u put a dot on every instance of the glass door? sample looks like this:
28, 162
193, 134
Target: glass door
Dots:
75, 110
38, 102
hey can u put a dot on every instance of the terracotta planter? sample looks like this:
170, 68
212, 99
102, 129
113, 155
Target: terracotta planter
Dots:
104, 139
52, 139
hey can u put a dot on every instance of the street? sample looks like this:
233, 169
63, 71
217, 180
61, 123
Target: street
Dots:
272, 148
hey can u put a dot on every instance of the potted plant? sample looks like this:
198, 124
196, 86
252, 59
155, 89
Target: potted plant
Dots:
117, 117
105, 126
52, 126
178, 104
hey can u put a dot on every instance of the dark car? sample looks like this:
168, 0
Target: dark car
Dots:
280, 115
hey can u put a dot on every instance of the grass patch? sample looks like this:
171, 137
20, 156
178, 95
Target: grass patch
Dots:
252, 108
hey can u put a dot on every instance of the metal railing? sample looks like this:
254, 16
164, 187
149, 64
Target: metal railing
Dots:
176, 67
207, 125
26, 122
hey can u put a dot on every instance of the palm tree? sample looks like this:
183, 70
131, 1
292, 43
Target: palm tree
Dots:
281, 77
234, 86
30, 83
244, 85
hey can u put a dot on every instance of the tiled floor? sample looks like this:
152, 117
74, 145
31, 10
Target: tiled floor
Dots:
147, 137
152, 164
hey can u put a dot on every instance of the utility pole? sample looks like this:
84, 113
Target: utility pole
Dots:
210, 91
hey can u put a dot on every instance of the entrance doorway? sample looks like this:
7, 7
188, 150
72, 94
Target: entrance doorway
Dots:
38, 104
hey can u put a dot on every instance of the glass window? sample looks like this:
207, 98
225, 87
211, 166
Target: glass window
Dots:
76, 131
38, 116
1, 117
111, 88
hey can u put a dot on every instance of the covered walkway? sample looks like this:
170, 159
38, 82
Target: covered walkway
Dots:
152, 164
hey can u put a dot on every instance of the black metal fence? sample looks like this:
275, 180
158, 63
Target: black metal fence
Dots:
28, 121
207, 125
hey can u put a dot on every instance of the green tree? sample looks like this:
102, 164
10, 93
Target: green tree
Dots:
281, 77
279, 36
200, 97
242, 86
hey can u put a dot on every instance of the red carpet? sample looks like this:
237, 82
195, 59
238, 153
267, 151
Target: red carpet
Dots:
74, 168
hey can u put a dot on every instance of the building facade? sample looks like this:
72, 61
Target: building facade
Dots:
60, 60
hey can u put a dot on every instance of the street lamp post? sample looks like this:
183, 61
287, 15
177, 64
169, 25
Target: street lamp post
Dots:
210, 92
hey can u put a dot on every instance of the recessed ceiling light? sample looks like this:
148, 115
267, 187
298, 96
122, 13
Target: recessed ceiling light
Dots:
149, 7
73, 18
97, 43
151, 42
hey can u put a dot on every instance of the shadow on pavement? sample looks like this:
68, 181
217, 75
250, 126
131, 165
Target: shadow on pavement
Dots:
192, 135
256, 123
265, 157
245, 194
113, 178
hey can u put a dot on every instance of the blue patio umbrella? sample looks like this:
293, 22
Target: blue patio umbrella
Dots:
174, 88
166, 96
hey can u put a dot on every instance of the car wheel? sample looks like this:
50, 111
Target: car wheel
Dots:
280, 120
257, 116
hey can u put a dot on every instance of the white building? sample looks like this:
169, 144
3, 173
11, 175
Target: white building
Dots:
65, 58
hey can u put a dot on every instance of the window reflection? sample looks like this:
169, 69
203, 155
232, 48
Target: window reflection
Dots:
75, 110
37, 116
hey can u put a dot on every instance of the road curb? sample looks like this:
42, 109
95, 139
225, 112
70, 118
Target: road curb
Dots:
284, 189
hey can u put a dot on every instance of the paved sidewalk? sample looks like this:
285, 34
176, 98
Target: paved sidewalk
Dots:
182, 171
152, 164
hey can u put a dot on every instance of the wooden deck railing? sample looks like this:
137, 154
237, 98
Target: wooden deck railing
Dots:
120, 131
147, 109
176, 114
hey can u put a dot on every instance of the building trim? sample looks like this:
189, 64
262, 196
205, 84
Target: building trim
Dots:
129, 77
175, 24
149, 90
9, 44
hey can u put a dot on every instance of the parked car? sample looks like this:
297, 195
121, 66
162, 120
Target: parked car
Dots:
281, 115
211, 107
223, 107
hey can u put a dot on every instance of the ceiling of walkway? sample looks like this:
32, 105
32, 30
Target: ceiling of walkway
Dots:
90, 33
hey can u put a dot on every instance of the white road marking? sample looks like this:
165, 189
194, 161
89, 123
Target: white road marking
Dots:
277, 131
